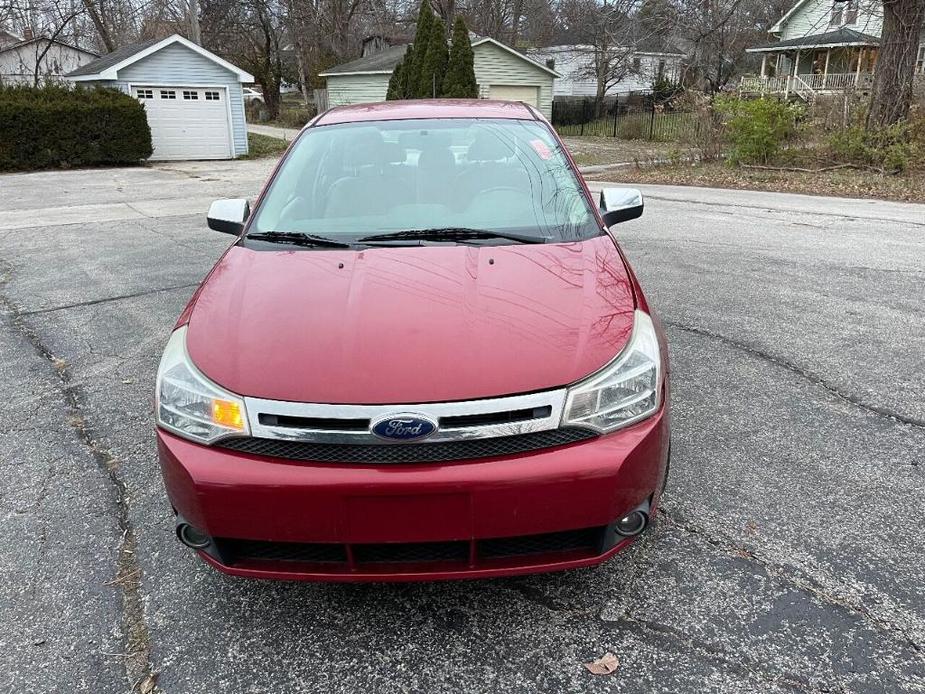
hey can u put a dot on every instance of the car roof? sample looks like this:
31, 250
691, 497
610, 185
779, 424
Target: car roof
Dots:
427, 108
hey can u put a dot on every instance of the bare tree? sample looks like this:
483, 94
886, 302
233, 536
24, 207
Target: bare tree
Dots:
193, 11
102, 30
895, 72
609, 33
717, 33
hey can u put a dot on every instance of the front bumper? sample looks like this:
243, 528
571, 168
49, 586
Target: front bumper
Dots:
539, 511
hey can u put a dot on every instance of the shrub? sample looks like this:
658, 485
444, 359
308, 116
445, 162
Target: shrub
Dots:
55, 126
295, 116
664, 90
707, 136
757, 129
895, 148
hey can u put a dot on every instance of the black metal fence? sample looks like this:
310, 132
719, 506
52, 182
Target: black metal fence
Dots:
632, 118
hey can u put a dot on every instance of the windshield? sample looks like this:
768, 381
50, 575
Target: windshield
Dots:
358, 180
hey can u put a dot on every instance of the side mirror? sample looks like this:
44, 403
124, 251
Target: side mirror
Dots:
228, 216
620, 205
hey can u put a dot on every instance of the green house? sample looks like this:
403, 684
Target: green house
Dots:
500, 71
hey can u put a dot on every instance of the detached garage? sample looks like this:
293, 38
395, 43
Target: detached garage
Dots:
192, 97
500, 71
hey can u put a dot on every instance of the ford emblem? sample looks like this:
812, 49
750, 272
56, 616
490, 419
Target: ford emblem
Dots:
403, 427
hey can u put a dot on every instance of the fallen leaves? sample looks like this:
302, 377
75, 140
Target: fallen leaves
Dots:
909, 187
607, 664
147, 684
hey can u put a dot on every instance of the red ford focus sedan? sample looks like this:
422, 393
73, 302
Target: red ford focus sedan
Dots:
424, 357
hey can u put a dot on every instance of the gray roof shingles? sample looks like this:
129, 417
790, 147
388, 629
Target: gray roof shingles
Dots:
830, 38
114, 58
384, 61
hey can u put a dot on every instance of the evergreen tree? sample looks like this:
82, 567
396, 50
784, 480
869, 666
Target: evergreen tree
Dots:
421, 43
399, 87
433, 64
459, 82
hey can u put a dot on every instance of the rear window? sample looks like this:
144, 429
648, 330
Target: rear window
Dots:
357, 179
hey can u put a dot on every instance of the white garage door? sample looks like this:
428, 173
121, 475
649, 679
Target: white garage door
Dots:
529, 95
187, 122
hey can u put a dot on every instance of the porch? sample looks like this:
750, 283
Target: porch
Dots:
827, 63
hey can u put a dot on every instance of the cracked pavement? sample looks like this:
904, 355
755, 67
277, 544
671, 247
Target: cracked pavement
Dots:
787, 555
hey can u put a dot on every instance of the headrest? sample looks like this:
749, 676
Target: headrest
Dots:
393, 153
436, 159
488, 146
365, 148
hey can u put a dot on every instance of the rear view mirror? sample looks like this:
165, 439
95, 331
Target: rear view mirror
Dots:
228, 216
620, 205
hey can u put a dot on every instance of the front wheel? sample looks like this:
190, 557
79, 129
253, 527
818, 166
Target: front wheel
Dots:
667, 470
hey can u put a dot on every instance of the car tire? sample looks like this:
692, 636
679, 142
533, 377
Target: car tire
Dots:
667, 470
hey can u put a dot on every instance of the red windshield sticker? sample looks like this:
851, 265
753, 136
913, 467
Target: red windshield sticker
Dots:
541, 148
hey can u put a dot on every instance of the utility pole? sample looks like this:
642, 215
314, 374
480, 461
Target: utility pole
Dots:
195, 36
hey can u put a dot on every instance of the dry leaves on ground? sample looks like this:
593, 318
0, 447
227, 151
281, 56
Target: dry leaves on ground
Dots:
908, 187
605, 665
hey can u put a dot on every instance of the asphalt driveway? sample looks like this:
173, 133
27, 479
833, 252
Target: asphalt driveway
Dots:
788, 554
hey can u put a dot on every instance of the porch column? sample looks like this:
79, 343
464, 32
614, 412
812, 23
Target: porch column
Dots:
857, 75
764, 65
796, 65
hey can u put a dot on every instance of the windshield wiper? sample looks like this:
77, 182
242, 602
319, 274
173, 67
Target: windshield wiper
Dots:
296, 238
451, 234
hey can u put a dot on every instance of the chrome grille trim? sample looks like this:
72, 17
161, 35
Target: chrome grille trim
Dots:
553, 399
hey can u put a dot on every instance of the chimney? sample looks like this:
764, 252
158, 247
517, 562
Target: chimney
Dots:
27, 34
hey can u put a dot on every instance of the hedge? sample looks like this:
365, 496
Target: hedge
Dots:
59, 127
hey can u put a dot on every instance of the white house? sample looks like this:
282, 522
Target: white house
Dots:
500, 72
822, 46
642, 67
38, 60
192, 97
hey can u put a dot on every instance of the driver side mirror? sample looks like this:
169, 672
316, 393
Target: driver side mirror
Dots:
228, 216
620, 205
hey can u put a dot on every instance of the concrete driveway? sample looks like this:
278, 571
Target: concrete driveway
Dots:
788, 555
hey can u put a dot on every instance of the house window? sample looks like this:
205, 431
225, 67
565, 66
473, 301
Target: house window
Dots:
145, 93
844, 12
661, 69
851, 12
637, 65
190, 95
213, 96
168, 94
920, 61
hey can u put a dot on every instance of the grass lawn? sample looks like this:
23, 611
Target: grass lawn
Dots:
908, 187
261, 146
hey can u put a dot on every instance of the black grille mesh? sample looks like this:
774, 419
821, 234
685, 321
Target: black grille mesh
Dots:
407, 453
589, 540
314, 552
411, 551
586, 538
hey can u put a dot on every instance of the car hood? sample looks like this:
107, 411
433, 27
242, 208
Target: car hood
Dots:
410, 324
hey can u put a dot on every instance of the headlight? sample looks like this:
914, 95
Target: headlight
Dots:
625, 391
190, 405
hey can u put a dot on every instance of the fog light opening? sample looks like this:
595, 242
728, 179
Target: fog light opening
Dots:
191, 537
632, 524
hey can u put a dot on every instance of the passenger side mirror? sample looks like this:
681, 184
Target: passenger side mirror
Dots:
620, 205
228, 216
